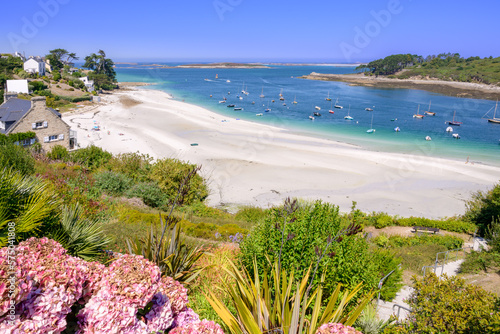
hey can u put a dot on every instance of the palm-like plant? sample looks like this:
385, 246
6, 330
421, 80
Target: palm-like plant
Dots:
166, 249
27, 202
270, 305
80, 236
171, 254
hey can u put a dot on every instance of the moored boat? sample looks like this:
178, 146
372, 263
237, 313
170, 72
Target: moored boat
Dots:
429, 112
495, 119
417, 115
453, 122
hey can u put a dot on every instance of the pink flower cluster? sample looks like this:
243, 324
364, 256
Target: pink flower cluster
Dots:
128, 285
198, 327
129, 296
48, 282
334, 328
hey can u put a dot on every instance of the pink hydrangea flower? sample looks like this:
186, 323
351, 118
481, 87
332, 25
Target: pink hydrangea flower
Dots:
198, 327
334, 328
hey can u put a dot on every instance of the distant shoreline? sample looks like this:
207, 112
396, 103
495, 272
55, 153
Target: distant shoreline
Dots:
224, 65
450, 88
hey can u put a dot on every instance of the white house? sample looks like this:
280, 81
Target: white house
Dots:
88, 83
17, 86
35, 65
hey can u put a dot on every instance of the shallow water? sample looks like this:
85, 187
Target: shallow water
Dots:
479, 140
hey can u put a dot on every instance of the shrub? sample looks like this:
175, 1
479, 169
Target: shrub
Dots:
169, 174
386, 261
91, 157
201, 210
58, 152
251, 214
308, 230
451, 224
149, 192
483, 208
112, 183
478, 262
17, 158
383, 221
449, 305
397, 241
134, 165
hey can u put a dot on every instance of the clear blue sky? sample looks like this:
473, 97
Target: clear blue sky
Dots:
251, 30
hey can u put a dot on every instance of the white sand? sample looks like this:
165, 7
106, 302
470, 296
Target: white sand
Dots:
255, 164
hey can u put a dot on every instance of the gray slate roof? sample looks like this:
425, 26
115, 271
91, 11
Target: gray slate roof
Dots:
14, 109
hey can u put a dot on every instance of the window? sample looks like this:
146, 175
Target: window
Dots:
39, 125
54, 137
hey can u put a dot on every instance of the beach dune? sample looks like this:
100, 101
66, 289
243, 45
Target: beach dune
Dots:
247, 163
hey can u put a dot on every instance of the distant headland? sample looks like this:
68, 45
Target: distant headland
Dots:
446, 74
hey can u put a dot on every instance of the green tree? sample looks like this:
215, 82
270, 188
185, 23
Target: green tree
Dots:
103, 73
484, 208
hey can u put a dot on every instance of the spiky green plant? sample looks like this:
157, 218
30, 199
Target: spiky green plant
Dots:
82, 237
270, 304
171, 254
27, 202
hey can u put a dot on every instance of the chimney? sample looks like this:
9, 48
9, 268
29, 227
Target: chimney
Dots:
39, 101
9, 95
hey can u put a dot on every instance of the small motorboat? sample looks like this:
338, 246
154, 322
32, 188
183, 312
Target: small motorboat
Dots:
368, 109
317, 108
238, 108
428, 138
253, 102
267, 110
230, 105
331, 111
311, 118
317, 114
261, 114
397, 129
456, 136
222, 101
449, 129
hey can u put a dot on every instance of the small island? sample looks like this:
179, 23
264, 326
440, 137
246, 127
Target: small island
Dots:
446, 74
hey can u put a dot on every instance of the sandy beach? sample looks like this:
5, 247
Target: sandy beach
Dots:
253, 164
450, 88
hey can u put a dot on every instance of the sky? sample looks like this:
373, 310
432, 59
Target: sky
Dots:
251, 30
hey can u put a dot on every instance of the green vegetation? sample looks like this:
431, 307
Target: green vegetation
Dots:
297, 253
381, 220
9, 65
307, 230
444, 66
17, 158
396, 241
450, 305
103, 73
484, 208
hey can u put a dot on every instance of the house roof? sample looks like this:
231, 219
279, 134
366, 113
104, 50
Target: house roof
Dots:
14, 109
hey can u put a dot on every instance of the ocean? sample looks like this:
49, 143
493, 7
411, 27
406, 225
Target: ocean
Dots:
479, 139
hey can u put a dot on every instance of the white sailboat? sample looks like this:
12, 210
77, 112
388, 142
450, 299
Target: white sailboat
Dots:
371, 129
262, 94
348, 117
337, 104
328, 98
429, 112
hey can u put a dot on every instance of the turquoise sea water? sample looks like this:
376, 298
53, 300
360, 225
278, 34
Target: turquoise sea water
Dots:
479, 139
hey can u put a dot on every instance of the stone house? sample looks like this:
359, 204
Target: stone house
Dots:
17, 115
